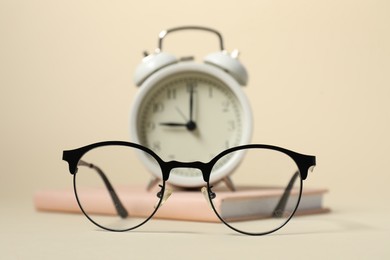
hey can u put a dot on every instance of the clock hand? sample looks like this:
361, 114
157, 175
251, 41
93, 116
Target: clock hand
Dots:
173, 124
189, 125
181, 113
191, 102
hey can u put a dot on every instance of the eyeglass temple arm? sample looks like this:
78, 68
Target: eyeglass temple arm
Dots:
122, 212
278, 211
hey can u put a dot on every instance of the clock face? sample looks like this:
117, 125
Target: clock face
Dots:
190, 115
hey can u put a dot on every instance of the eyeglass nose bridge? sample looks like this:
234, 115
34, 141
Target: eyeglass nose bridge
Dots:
205, 168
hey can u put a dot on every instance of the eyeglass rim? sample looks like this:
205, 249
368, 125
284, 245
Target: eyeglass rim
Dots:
209, 186
157, 206
303, 162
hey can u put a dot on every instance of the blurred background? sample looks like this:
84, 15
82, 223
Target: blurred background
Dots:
318, 82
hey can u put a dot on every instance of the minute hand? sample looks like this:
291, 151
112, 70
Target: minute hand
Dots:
191, 103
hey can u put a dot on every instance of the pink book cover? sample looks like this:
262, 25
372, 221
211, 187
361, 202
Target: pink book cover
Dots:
181, 205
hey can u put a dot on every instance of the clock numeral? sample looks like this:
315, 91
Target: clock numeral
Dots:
157, 107
171, 93
226, 106
231, 125
192, 86
150, 126
211, 92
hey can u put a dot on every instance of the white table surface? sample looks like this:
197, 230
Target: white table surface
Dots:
352, 233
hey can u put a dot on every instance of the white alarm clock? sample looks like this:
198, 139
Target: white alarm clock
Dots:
190, 111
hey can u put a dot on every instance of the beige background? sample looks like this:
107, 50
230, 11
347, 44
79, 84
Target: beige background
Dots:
319, 84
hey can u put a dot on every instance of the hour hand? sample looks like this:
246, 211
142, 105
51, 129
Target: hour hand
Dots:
191, 126
173, 124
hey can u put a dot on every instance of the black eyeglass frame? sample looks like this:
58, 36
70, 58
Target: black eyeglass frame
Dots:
73, 157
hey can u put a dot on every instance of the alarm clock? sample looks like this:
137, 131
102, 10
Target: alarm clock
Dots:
191, 111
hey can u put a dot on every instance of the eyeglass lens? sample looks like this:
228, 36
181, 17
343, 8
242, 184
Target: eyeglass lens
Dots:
109, 177
270, 188
110, 185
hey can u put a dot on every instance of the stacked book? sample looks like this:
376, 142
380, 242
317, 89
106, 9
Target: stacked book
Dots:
182, 204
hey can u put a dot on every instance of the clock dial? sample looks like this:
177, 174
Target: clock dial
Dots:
189, 116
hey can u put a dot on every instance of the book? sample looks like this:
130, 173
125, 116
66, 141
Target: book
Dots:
188, 205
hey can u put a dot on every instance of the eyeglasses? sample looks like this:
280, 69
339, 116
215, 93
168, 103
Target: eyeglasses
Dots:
107, 175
